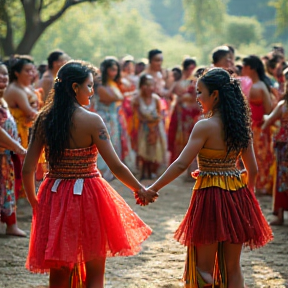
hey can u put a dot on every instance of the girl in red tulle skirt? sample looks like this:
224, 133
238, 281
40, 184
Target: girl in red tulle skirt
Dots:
78, 218
223, 214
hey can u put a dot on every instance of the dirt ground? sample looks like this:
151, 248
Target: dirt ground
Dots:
161, 262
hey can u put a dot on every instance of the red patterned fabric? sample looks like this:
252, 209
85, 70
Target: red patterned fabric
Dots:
262, 143
181, 124
217, 215
72, 229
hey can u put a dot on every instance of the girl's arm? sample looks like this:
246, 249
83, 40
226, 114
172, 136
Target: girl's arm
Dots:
275, 115
196, 141
101, 138
21, 101
250, 164
267, 101
107, 95
29, 168
9, 143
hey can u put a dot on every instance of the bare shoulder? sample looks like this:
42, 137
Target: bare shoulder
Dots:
203, 125
90, 120
14, 92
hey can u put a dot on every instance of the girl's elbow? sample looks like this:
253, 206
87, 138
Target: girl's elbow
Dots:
181, 165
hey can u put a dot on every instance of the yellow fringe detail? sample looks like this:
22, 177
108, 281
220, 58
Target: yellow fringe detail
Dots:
76, 280
231, 183
193, 278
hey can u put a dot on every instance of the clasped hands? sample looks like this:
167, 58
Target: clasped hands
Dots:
144, 196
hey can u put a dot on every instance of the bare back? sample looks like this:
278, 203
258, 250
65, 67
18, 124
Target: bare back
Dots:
81, 132
214, 134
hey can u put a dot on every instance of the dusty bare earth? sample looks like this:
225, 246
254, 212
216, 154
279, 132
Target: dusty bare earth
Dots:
161, 262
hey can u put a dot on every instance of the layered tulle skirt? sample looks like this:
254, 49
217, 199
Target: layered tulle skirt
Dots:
70, 229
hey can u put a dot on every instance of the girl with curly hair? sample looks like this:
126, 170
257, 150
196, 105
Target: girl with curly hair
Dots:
223, 214
280, 193
78, 219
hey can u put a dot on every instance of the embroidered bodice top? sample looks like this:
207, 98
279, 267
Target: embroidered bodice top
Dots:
216, 168
76, 163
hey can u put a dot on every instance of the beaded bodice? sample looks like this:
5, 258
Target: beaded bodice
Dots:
76, 163
216, 168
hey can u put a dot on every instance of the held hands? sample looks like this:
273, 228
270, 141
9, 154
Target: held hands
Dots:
144, 196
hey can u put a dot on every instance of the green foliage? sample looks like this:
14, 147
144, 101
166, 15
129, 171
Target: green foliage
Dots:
242, 30
93, 32
169, 14
281, 7
204, 19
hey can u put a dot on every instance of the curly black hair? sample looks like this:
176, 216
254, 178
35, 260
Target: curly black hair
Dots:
233, 107
54, 122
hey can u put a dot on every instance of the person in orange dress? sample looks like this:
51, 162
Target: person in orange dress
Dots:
128, 87
78, 218
224, 214
23, 104
260, 103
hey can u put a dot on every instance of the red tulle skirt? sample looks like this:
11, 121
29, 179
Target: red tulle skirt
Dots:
217, 215
72, 229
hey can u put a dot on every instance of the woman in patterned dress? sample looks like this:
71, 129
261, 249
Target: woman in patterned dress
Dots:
11, 145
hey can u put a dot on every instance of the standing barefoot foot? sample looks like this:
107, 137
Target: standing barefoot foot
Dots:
277, 222
13, 230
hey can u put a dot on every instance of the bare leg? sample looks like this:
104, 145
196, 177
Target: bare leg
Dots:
95, 273
280, 218
232, 253
205, 261
12, 228
59, 278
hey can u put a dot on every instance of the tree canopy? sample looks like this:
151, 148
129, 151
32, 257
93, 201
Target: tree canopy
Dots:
24, 21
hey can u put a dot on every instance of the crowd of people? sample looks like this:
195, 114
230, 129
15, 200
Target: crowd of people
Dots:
142, 114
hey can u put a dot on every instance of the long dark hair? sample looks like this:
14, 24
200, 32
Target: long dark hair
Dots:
105, 65
233, 107
256, 64
55, 120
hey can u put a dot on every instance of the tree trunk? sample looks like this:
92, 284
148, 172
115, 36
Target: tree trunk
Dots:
34, 26
30, 37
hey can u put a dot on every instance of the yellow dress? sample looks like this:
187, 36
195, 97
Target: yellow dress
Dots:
23, 125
